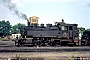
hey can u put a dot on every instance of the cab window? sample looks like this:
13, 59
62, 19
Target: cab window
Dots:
64, 28
70, 28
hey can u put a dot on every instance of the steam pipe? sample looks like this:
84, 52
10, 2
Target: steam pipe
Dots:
28, 22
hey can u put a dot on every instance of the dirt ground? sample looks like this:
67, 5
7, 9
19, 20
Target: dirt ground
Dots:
45, 55
49, 55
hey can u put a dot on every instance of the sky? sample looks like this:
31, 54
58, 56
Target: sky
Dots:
49, 11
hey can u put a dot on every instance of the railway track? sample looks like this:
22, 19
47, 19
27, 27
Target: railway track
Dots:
8, 46
45, 49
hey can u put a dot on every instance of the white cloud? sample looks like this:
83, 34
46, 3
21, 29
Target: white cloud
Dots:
14, 1
62, 7
9, 15
0, 14
18, 3
21, 3
30, 1
85, 3
58, 0
2, 6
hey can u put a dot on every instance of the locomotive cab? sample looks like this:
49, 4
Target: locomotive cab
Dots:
68, 33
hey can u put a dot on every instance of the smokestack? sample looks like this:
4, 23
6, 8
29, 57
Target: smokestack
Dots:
28, 22
62, 20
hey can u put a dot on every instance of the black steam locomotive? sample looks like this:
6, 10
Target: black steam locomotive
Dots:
85, 39
50, 35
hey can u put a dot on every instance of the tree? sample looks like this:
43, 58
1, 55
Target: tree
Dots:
5, 28
16, 28
88, 29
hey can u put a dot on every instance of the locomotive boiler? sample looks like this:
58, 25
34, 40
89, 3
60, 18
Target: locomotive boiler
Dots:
58, 34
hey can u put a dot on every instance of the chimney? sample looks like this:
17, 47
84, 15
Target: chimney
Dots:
62, 20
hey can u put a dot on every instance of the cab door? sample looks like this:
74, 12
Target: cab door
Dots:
70, 32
